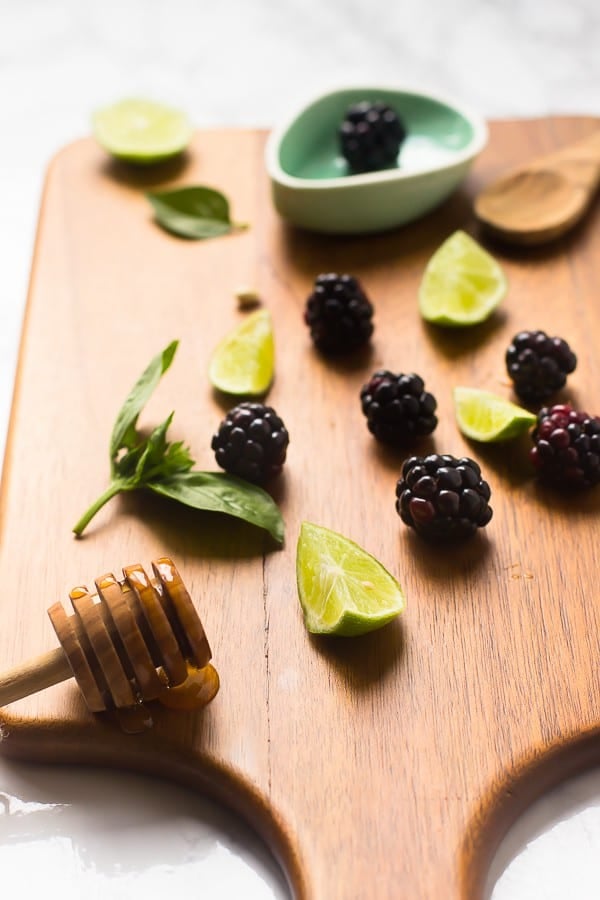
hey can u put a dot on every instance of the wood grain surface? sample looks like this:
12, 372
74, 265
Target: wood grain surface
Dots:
378, 767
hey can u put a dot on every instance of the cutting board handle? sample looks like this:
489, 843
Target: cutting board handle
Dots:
145, 753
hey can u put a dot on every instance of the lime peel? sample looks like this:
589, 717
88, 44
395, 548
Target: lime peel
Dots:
462, 284
343, 589
485, 417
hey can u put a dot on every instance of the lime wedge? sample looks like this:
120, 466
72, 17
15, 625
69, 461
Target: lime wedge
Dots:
462, 284
243, 362
343, 589
141, 131
485, 417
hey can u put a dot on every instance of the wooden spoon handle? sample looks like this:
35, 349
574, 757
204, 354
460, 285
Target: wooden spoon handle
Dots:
579, 162
588, 147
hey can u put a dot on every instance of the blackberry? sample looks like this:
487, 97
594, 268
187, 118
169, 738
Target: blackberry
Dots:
538, 365
339, 314
443, 498
251, 442
370, 136
566, 449
397, 407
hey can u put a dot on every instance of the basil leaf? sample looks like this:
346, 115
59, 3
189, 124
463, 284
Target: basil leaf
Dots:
175, 460
164, 467
126, 465
224, 493
192, 212
154, 450
160, 459
124, 434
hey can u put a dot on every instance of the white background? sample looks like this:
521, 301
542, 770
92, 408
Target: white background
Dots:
248, 62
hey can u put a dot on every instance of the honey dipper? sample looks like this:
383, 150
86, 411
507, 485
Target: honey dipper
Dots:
134, 640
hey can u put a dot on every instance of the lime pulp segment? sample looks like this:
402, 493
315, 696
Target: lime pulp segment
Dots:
485, 417
141, 131
243, 362
343, 590
462, 283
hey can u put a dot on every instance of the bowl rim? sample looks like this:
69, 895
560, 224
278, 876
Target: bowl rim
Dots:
473, 148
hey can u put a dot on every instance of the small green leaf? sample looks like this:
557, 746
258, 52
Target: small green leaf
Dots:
125, 467
157, 443
192, 212
124, 434
224, 493
176, 459
160, 459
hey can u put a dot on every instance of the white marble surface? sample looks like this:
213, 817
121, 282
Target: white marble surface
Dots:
68, 834
246, 62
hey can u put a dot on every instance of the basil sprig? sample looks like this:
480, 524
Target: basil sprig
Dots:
166, 468
193, 212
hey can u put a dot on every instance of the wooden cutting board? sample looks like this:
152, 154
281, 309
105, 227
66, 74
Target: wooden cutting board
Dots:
378, 767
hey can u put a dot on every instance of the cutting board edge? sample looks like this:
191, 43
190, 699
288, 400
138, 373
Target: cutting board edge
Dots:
65, 743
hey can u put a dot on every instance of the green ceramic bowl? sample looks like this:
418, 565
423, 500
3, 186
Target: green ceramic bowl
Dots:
313, 188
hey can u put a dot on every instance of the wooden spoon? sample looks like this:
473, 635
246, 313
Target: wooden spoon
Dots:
545, 198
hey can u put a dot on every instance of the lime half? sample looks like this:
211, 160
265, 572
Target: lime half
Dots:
141, 131
462, 284
343, 589
244, 361
485, 417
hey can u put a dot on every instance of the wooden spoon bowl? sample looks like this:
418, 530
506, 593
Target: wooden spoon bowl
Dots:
542, 200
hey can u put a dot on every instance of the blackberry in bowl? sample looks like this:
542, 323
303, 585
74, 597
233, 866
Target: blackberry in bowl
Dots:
566, 447
398, 408
443, 498
312, 186
538, 365
370, 136
251, 442
339, 314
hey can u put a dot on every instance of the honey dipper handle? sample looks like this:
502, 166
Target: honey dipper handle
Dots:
34, 675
